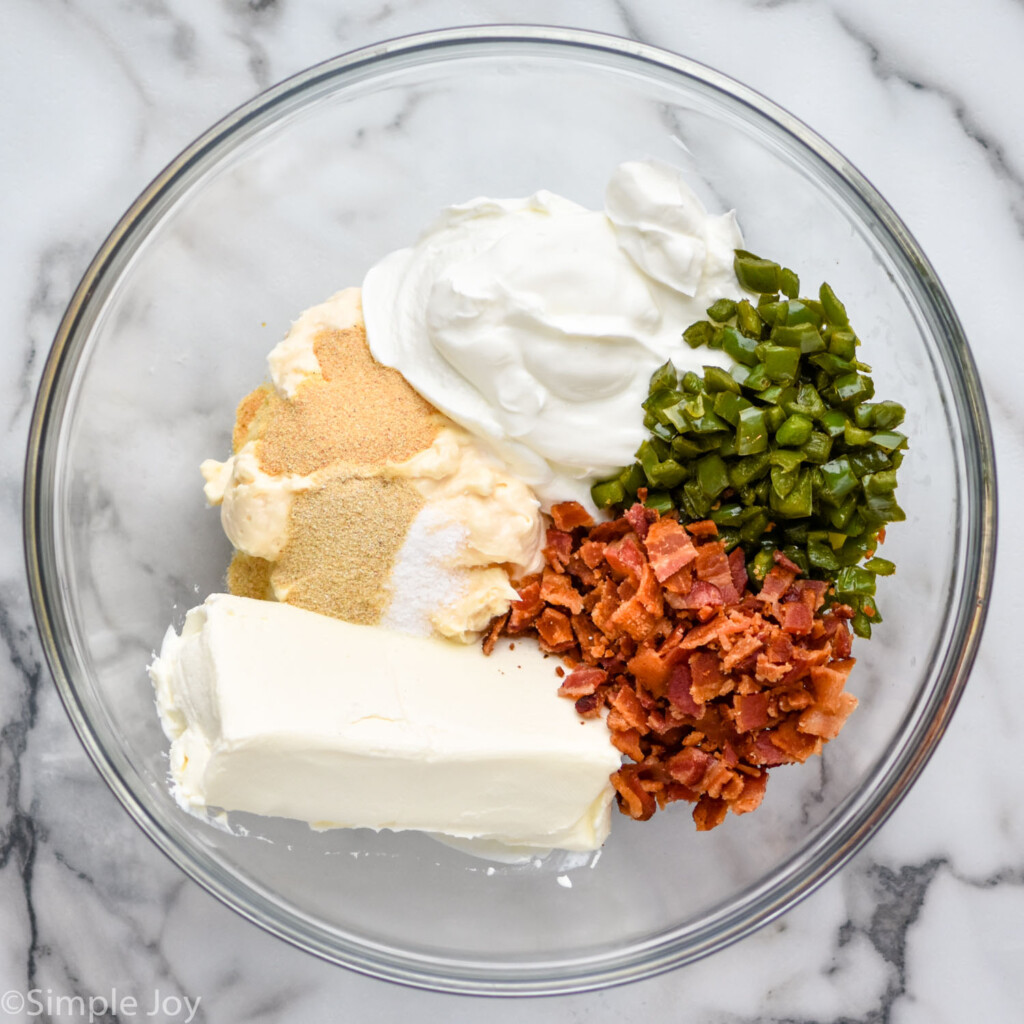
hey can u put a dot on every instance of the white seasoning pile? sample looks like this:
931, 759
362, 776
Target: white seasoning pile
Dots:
422, 579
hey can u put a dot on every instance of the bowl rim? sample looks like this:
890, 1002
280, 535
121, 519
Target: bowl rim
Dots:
772, 896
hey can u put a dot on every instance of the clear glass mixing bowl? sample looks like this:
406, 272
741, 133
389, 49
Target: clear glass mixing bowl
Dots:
295, 195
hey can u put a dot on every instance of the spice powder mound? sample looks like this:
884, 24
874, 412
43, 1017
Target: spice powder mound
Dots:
343, 536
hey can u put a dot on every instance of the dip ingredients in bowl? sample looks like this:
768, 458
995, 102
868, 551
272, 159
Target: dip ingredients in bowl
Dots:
431, 476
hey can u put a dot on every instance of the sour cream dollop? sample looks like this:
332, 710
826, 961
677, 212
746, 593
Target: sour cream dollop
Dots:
536, 323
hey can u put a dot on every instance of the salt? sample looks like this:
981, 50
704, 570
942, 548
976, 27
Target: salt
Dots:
423, 579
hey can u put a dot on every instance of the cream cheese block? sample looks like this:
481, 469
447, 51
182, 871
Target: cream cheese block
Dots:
275, 710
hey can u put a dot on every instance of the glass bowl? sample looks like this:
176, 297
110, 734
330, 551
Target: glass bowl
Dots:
295, 195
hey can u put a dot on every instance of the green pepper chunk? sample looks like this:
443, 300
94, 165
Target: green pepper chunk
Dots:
835, 311
729, 515
696, 503
842, 344
854, 579
861, 626
729, 406
698, 334
691, 383
880, 483
817, 448
739, 346
748, 320
802, 336
799, 501
806, 402
668, 474
712, 475
664, 378
751, 432
795, 312
880, 566
789, 283
747, 470
716, 379
834, 422
722, 310
761, 565
854, 436
853, 387
632, 479
890, 440
757, 379
608, 493
795, 431
754, 273
660, 500
839, 479
821, 555
780, 363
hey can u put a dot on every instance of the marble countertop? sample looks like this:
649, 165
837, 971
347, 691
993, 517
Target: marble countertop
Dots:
926, 924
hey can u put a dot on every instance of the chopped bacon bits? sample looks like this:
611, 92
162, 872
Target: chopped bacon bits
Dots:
569, 514
705, 685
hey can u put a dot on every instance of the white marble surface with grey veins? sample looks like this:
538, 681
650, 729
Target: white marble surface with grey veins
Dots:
926, 924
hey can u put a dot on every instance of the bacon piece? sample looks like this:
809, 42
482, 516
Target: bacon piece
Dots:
639, 615
640, 518
766, 753
741, 651
634, 800
582, 681
669, 548
703, 529
709, 813
754, 787
494, 632
625, 558
590, 705
713, 567
689, 766
776, 583
796, 617
604, 610
628, 705
526, 609
826, 724
628, 741
567, 515
650, 670
738, 568
717, 779
751, 711
592, 553
555, 630
842, 641
768, 671
703, 595
679, 582
786, 563
779, 649
708, 679
715, 629
679, 683
789, 738
812, 593
593, 643
556, 588
828, 682
558, 549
